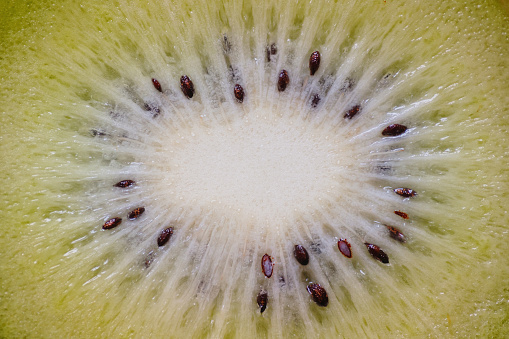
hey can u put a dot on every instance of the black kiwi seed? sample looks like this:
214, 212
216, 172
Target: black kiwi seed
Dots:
301, 254
405, 192
262, 300
283, 80
314, 62
157, 85
396, 233
187, 87
136, 213
345, 248
352, 112
238, 91
124, 183
401, 214
112, 223
267, 265
318, 294
377, 253
315, 100
164, 236
394, 130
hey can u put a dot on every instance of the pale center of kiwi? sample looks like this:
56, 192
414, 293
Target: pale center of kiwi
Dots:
259, 167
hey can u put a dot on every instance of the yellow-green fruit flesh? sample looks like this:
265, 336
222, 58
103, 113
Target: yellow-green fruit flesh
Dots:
65, 66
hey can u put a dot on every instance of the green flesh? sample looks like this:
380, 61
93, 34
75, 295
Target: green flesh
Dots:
68, 69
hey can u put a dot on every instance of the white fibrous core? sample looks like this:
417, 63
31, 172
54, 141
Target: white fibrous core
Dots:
259, 168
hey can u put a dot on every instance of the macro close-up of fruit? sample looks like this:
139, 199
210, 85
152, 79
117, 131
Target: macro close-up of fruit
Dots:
254, 169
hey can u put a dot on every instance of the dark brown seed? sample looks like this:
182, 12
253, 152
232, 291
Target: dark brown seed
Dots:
239, 92
267, 265
314, 62
394, 130
283, 80
345, 248
301, 254
124, 183
262, 300
318, 294
315, 100
377, 253
187, 87
165, 236
134, 214
157, 85
396, 234
405, 192
112, 223
401, 214
352, 112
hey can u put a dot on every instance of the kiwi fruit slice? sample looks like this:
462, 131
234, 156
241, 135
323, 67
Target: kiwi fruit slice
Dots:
254, 169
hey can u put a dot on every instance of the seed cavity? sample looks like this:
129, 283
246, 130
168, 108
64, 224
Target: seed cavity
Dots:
352, 112
315, 100
187, 87
405, 192
124, 183
314, 62
301, 255
267, 265
112, 223
394, 130
377, 253
318, 294
239, 92
157, 85
136, 213
396, 233
283, 81
165, 236
262, 300
401, 214
345, 248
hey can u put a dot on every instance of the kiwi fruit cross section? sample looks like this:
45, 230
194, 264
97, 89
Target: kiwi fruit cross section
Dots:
237, 169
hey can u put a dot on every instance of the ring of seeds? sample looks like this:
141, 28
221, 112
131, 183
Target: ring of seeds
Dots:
317, 292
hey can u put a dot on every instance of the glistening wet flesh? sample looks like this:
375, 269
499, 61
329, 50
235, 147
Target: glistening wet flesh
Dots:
254, 169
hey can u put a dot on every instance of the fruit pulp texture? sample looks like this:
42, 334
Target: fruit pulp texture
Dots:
313, 177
